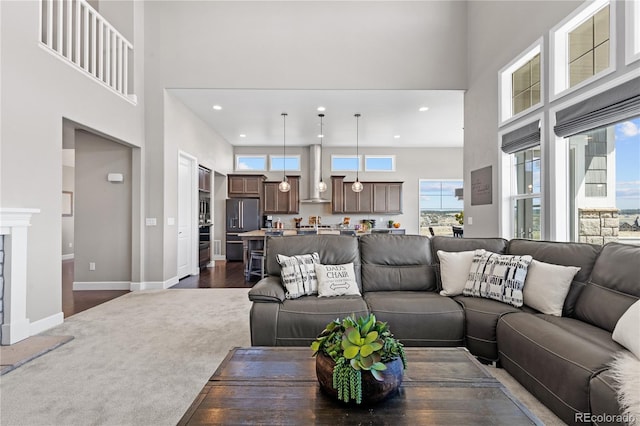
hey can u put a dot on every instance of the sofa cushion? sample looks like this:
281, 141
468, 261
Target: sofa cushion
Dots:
561, 253
613, 284
396, 262
454, 270
581, 329
298, 274
336, 280
603, 399
332, 250
481, 320
547, 286
626, 332
497, 276
553, 363
299, 321
419, 318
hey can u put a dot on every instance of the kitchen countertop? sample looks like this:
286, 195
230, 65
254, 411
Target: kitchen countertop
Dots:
259, 233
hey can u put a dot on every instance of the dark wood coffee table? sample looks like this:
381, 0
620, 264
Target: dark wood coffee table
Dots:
279, 386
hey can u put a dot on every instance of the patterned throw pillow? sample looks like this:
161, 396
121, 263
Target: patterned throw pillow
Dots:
497, 276
298, 274
336, 280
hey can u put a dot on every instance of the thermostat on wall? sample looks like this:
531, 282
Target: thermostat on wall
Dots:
115, 177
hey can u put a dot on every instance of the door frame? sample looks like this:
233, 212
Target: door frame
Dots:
193, 260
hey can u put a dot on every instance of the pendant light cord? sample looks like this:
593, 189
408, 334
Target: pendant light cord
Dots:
357, 148
284, 143
321, 144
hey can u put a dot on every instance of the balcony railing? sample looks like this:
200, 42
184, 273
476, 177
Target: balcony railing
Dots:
76, 32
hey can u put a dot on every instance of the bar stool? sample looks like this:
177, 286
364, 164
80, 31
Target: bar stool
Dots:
256, 257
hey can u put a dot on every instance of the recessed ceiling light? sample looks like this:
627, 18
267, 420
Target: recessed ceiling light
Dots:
396, 136
321, 136
217, 107
423, 109
242, 135
321, 108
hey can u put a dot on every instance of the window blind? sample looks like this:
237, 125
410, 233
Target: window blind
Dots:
617, 104
522, 138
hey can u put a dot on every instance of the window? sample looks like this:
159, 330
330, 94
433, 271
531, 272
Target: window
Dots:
604, 192
525, 88
632, 41
439, 206
520, 83
380, 163
345, 163
288, 163
251, 162
526, 194
589, 47
582, 46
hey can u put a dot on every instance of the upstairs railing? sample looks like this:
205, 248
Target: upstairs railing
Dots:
78, 33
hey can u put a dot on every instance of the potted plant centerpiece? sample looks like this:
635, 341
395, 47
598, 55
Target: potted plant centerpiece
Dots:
359, 360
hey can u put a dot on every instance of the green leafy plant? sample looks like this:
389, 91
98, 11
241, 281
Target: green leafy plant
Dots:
459, 217
357, 345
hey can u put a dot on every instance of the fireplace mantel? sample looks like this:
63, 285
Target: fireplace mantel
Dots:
14, 223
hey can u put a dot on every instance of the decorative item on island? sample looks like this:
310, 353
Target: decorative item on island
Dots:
359, 360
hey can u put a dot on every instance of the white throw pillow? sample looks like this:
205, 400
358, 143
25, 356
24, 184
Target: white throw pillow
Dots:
497, 276
547, 285
627, 331
454, 270
298, 274
336, 280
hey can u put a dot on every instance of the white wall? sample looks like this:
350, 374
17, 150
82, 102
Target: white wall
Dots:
282, 45
184, 131
38, 91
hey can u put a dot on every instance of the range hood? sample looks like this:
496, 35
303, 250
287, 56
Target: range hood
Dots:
314, 176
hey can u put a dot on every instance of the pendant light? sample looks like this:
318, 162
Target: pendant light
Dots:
284, 186
357, 185
322, 187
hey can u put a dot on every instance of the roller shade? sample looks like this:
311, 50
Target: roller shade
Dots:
522, 138
617, 104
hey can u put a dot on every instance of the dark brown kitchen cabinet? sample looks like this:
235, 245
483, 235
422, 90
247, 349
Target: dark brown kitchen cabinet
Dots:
245, 186
375, 197
387, 197
276, 202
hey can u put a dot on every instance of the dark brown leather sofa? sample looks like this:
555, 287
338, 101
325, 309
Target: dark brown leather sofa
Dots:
563, 361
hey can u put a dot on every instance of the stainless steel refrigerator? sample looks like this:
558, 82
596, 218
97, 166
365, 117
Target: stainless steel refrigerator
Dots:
243, 215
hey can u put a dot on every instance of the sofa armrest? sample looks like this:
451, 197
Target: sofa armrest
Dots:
267, 289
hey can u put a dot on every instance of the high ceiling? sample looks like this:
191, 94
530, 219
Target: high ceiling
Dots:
388, 117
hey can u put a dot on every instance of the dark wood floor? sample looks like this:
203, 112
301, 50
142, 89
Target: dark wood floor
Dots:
224, 275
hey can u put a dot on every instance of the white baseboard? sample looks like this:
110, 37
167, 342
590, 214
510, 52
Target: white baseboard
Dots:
44, 324
154, 285
219, 257
102, 285
69, 256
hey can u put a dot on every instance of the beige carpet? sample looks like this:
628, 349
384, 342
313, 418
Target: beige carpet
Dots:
141, 359
13, 356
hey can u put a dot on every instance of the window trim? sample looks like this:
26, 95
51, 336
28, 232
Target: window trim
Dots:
632, 32
558, 45
238, 156
507, 196
390, 156
505, 84
349, 156
294, 156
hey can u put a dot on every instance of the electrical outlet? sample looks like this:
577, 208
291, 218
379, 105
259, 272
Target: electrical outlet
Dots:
469, 220
70, 245
92, 266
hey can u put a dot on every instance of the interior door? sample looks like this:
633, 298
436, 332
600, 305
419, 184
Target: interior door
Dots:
186, 216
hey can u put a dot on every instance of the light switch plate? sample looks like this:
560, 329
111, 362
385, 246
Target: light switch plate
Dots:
151, 221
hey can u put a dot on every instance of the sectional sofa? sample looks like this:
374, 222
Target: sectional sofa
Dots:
562, 360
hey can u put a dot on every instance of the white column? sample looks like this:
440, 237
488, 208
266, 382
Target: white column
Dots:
14, 224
